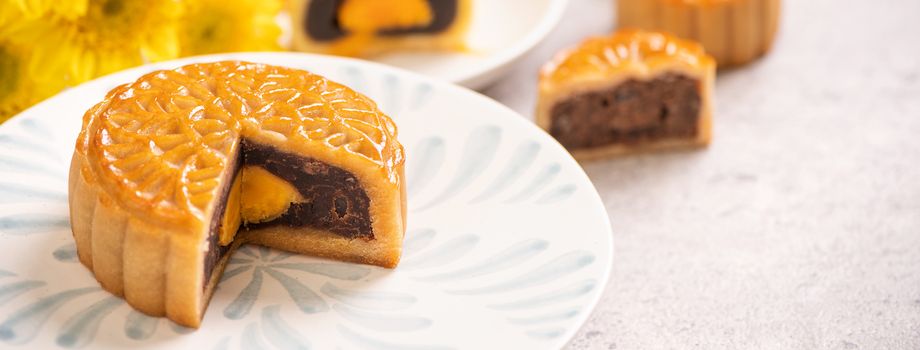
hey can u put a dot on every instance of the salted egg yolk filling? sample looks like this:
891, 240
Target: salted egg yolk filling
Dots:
256, 196
371, 16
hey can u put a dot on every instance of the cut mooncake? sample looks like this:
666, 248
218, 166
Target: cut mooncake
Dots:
171, 173
369, 27
734, 32
630, 91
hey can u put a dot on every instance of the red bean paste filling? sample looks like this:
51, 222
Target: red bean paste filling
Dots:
333, 198
215, 250
633, 112
322, 20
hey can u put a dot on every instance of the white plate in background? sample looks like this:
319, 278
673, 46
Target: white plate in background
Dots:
501, 32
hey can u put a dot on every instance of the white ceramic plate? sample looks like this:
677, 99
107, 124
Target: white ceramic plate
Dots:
501, 32
508, 245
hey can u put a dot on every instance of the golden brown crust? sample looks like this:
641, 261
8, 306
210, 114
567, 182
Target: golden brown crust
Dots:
323, 244
453, 39
180, 127
621, 149
82, 201
108, 238
145, 252
153, 156
602, 63
735, 32
625, 52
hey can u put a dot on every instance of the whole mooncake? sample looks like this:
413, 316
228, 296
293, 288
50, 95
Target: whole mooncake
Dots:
171, 173
368, 27
630, 91
734, 32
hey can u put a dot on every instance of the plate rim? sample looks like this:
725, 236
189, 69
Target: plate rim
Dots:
516, 118
493, 66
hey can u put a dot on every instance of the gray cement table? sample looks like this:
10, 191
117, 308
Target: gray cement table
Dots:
799, 227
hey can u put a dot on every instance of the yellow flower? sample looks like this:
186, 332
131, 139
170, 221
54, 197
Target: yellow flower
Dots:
33, 9
13, 64
211, 26
46, 45
111, 36
18, 88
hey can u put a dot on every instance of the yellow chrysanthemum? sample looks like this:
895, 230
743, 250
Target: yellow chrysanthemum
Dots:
111, 36
47, 9
18, 88
13, 64
212, 26
46, 45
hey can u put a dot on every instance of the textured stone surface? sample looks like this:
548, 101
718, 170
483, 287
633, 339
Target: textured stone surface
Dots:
800, 226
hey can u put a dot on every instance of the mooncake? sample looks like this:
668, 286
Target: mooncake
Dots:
630, 91
171, 173
734, 32
369, 27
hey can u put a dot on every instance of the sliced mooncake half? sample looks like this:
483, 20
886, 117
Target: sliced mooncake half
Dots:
171, 173
368, 27
630, 91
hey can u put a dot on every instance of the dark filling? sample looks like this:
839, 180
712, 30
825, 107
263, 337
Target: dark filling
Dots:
633, 112
215, 250
214, 254
322, 20
333, 199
